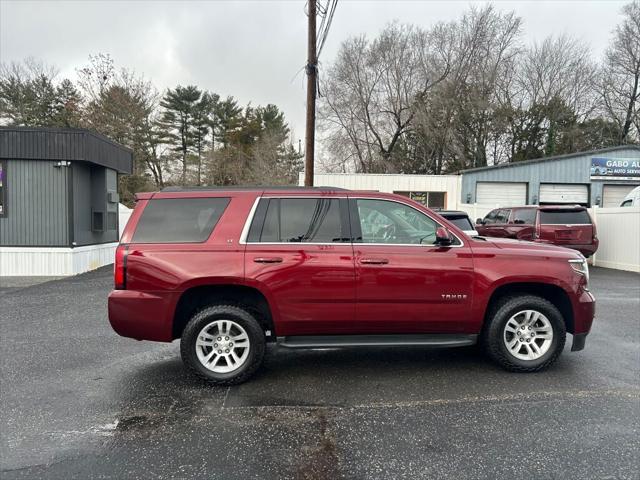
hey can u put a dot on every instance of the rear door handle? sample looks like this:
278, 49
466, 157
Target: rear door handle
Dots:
267, 260
374, 261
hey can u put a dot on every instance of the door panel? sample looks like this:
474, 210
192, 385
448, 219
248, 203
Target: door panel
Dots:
418, 289
403, 285
498, 225
298, 253
312, 286
522, 223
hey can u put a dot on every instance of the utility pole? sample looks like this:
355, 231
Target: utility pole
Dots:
312, 72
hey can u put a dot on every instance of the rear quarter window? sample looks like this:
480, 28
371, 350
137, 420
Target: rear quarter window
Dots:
525, 216
461, 222
557, 217
179, 220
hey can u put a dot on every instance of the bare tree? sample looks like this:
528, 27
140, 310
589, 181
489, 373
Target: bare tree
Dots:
371, 92
559, 67
457, 120
549, 91
620, 73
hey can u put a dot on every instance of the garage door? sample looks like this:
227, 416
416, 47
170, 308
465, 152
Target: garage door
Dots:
501, 194
559, 193
612, 195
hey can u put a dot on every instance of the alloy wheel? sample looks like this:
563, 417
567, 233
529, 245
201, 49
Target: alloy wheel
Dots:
222, 346
528, 335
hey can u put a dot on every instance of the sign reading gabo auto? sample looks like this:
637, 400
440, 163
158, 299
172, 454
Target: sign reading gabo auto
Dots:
615, 168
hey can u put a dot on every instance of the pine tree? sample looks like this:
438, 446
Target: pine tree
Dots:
179, 117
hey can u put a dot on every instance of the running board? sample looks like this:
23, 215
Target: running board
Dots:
338, 341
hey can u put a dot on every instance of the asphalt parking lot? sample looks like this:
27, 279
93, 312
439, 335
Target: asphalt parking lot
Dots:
77, 401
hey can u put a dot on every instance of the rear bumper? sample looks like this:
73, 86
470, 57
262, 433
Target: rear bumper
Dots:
586, 250
142, 315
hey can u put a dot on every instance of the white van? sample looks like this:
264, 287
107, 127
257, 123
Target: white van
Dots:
632, 199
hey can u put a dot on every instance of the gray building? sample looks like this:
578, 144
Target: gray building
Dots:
58, 187
597, 178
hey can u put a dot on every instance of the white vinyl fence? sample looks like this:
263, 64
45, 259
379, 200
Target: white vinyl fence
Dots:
124, 213
619, 234
618, 231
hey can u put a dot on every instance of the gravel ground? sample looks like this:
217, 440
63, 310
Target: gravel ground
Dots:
77, 401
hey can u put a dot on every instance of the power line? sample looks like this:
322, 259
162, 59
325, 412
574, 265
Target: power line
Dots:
324, 32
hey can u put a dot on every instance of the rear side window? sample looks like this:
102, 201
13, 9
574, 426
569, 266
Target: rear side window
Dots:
311, 220
179, 220
557, 217
461, 222
525, 216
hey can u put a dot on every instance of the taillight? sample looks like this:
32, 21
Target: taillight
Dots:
120, 268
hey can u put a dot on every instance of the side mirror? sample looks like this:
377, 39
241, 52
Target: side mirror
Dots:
443, 237
479, 221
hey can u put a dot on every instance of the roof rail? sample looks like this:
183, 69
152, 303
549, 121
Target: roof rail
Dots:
249, 188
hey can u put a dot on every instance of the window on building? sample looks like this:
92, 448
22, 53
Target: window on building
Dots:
3, 188
429, 199
179, 220
311, 220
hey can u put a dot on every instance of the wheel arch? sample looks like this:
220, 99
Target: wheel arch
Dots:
549, 291
199, 296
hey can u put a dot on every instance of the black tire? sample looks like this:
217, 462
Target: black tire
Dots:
223, 312
493, 340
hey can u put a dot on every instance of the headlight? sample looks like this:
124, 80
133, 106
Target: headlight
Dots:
581, 266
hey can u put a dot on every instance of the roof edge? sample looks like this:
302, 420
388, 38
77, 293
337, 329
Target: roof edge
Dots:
630, 146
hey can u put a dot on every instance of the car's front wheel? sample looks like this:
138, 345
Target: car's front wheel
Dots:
223, 344
525, 333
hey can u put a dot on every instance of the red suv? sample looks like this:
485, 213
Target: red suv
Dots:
229, 270
567, 226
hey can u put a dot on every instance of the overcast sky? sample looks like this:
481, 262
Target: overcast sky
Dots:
249, 49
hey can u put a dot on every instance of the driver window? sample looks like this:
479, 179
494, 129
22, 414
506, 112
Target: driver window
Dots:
385, 221
491, 217
502, 216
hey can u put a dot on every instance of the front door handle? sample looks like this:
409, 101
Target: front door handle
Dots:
268, 260
374, 261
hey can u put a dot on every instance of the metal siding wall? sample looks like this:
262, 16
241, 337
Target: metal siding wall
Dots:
82, 201
82, 204
567, 170
36, 204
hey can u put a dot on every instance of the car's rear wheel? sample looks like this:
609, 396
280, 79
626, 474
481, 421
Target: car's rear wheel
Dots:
525, 333
224, 344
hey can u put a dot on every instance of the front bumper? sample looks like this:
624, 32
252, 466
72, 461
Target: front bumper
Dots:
579, 340
584, 310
